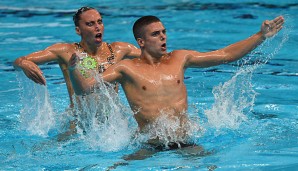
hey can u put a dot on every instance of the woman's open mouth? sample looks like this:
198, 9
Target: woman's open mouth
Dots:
98, 36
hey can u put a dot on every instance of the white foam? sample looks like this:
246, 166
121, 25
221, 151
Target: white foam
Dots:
37, 115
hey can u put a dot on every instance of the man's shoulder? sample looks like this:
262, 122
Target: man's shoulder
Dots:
117, 43
179, 53
127, 63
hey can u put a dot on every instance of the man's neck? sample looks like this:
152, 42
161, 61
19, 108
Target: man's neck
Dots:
150, 59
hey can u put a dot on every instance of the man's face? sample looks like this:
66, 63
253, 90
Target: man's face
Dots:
91, 27
154, 39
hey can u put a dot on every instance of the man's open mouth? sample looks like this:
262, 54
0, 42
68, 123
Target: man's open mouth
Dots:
164, 46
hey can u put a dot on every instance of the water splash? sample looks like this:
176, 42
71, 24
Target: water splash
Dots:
231, 98
37, 115
237, 95
104, 123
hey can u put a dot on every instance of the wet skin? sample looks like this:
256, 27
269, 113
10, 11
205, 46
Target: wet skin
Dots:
91, 30
154, 83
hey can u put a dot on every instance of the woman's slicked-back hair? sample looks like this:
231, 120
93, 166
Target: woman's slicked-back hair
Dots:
138, 27
77, 16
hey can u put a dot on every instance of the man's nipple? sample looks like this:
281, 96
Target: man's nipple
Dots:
144, 88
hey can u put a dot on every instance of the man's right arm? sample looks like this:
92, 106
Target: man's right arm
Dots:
114, 72
83, 85
29, 63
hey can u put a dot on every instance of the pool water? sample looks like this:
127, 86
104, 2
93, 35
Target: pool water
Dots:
247, 110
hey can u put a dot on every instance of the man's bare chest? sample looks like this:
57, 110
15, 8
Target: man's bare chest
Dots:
158, 79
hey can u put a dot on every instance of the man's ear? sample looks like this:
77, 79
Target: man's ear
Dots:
78, 31
140, 42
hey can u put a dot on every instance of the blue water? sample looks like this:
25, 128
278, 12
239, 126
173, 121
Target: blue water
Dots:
247, 109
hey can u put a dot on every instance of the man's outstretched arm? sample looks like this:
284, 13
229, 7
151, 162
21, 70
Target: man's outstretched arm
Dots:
83, 85
237, 50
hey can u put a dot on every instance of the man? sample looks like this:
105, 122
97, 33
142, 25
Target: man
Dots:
89, 25
154, 83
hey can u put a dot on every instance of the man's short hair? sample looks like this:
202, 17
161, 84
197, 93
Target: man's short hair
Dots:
138, 27
77, 16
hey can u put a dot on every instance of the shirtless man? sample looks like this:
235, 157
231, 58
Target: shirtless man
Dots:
89, 25
154, 83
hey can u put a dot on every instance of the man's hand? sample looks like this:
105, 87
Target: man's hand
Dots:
33, 72
270, 28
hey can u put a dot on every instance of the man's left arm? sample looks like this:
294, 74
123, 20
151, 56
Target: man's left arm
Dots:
237, 50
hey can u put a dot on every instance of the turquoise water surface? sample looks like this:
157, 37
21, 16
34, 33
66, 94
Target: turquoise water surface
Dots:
247, 110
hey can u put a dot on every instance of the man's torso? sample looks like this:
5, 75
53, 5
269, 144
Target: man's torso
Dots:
152, 90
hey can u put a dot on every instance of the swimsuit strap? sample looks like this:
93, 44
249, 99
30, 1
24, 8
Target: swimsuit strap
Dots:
110, 60
112, 57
